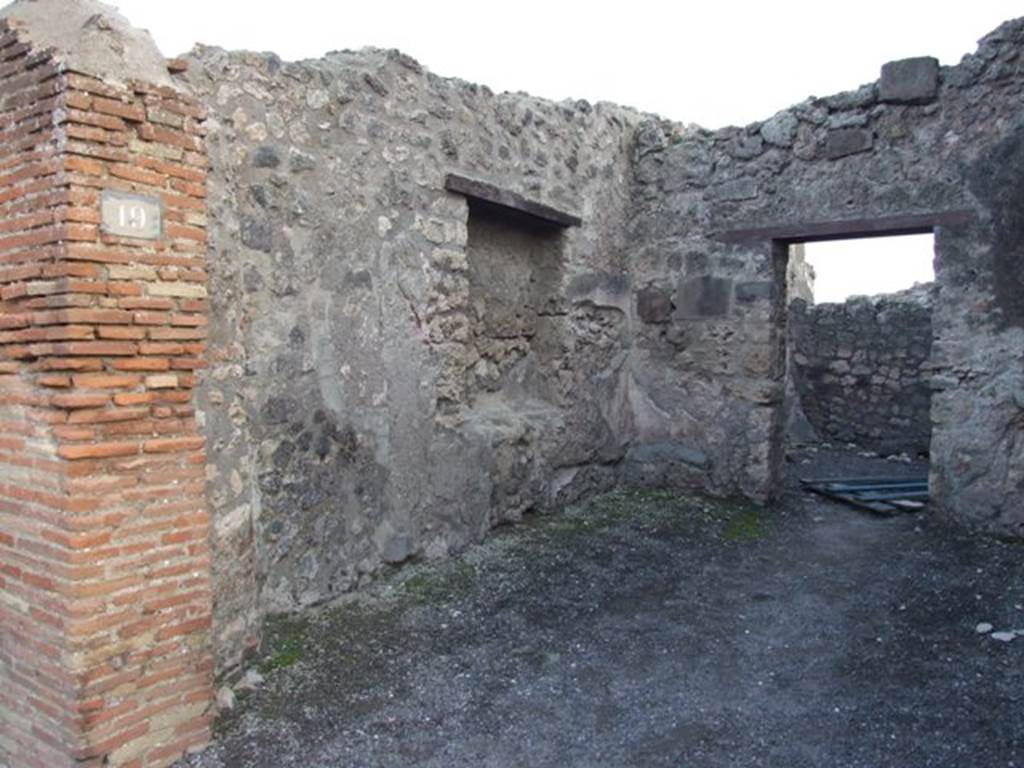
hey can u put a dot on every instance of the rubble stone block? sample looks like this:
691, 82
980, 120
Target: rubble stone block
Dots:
654, 305
909, 81
761, 290
704, 296
847, 141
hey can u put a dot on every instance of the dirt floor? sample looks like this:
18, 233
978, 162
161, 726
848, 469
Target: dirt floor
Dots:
653, 629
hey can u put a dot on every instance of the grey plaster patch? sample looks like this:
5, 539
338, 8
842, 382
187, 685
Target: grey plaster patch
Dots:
92, 38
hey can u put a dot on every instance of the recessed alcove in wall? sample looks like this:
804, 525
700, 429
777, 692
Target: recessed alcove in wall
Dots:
514, 254
515, 265
515, 320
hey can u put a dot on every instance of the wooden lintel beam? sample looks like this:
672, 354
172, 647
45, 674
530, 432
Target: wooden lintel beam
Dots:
850, 229
481, 190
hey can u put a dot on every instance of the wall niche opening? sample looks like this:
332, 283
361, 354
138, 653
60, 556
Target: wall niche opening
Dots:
516, 325
515, 273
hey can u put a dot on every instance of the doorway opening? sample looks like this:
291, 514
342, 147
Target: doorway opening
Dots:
858, 344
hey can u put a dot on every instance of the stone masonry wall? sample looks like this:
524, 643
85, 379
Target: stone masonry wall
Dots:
861, 369
922, 139
105, 597
395, 369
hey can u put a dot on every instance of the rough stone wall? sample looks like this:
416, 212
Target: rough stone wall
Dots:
396, 367
977, 456
904, 145
861, 369
799, 276
105, 598
799, 285
395, 370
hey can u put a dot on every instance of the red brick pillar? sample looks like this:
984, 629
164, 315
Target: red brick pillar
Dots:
105, 599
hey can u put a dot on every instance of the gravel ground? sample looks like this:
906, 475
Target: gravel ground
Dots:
656, 629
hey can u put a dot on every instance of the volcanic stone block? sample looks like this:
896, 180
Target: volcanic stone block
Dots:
847, 141
669, 451
257, 234
736, 189
780, 130
754, 290
265, 157
704, 296
654, 305
909, 81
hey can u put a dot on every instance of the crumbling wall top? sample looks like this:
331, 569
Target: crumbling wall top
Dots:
91, 38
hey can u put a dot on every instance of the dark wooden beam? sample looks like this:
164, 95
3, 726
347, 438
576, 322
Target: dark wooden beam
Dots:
850, 229
506, 198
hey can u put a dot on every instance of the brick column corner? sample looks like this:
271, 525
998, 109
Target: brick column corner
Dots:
105, 596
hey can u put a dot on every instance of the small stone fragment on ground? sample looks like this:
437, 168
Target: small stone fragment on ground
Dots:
225, 699
250, 681
900, 457
983, 628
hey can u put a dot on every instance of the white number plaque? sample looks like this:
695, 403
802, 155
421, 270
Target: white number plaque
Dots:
128, 215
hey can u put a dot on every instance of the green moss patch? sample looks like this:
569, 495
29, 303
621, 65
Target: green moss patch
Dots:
748, 525
285, 639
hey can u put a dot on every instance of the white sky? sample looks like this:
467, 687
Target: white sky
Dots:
868, 267
710, 62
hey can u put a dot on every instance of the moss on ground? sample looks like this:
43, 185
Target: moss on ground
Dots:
655, 512
748, 525
352, 651
541, 544
285, 639
440, 582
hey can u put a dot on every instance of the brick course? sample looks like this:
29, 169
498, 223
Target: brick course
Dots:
105, 600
